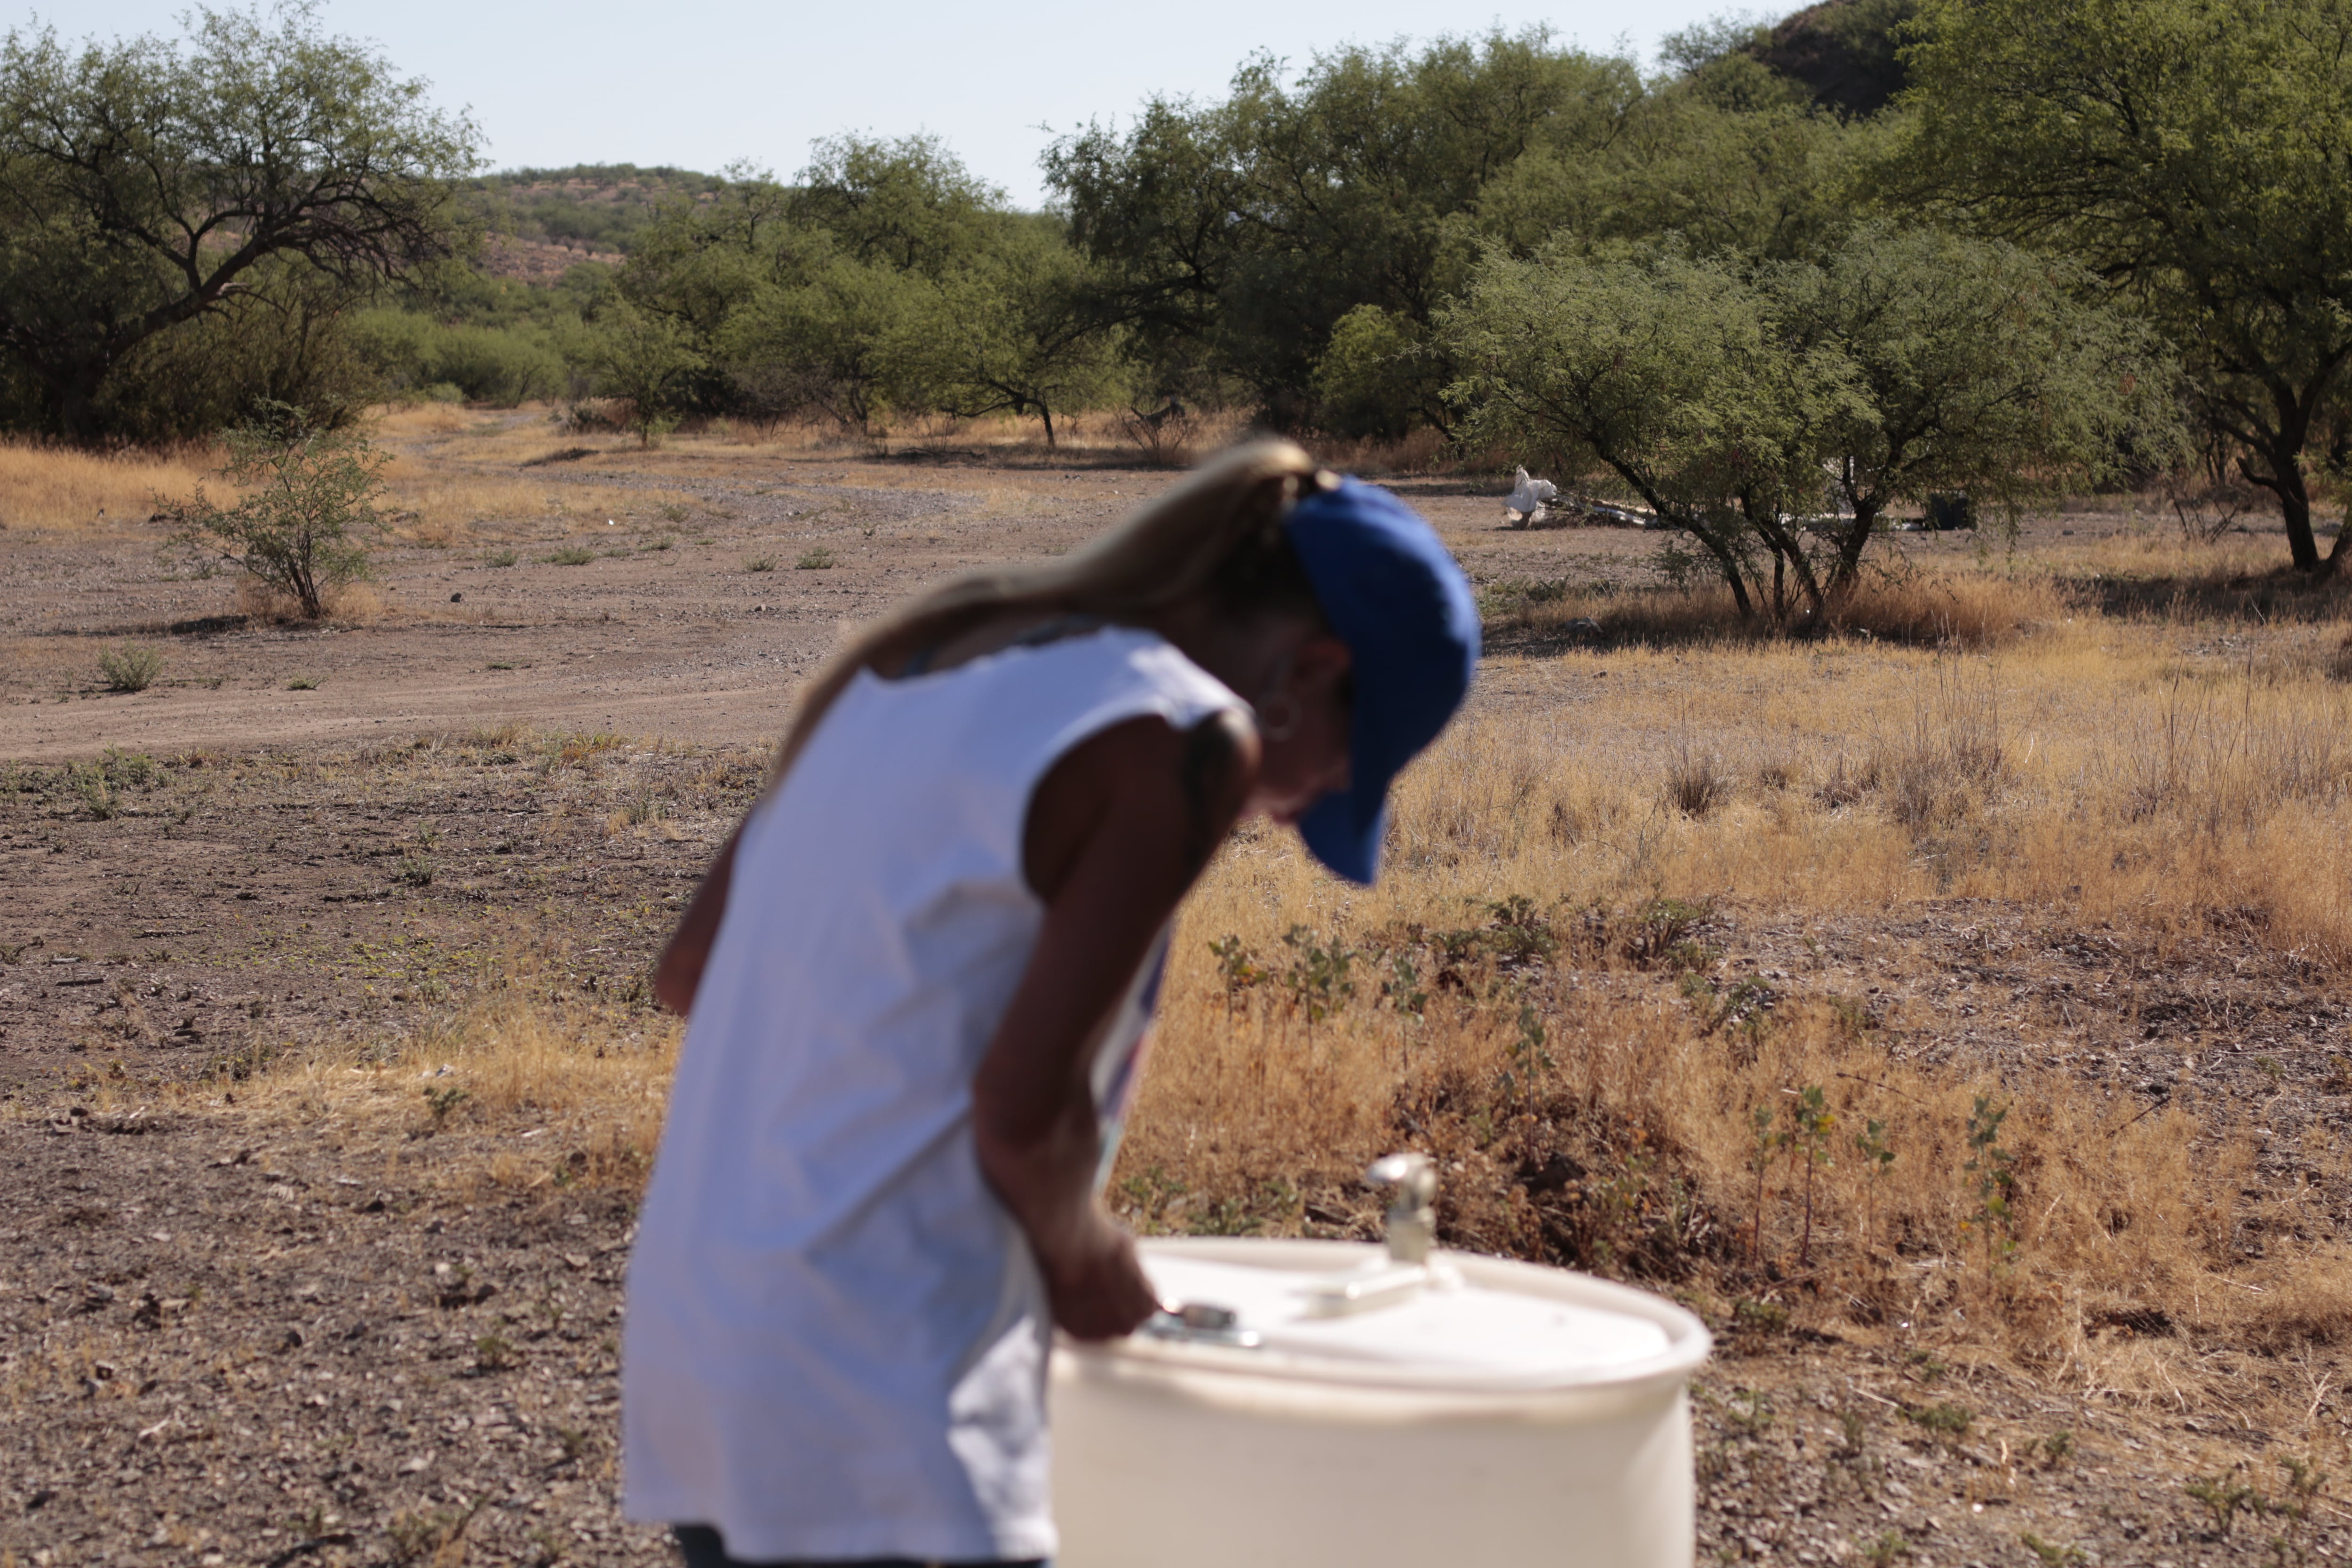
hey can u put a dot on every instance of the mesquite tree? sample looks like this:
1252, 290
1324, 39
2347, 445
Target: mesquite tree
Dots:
2195, 153
1775, 413
146, 185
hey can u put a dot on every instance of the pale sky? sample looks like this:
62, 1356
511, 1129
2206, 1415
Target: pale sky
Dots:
701, 83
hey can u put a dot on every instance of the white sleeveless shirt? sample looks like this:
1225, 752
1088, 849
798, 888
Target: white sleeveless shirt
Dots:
837, 1338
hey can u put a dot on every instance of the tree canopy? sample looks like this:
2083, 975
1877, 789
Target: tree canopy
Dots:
146, 184
1773, 414
2196, 155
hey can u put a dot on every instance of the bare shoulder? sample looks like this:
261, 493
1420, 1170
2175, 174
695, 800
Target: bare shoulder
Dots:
1168, 795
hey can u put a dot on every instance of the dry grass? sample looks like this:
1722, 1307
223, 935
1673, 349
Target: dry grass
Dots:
44, 486
534, 1085
1923, 606
435, 505
428, 501
1531, 993
1592, 1074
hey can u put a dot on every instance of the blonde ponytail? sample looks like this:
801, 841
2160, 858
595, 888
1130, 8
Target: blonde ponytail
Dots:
1167, 551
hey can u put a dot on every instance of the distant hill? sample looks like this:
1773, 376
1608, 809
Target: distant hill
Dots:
543, 220
1843, 51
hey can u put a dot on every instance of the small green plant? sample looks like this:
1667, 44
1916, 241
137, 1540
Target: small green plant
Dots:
1750, 1412
303, 683
1810, 1138
1520, 932
1764, 1141
1237, 967
672, 512
1992, 1167
1527, 1053
494, 1353
97, 797
1402, 987
1887, 1549
415, 871
427, 1538
1317, 976
441, 1102
309, 505
500, 558
664, 542
1853, 1430
1945, 1420
2051, 1552
497, 664
760, 563
817, 560
1876, 1154
2269, 1068
130, 666
2059, 1447
2225, 1497
2305, 1482
1149, 1193
570, 555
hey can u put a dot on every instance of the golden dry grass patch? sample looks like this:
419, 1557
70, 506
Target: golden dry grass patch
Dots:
55, 488
532, 1090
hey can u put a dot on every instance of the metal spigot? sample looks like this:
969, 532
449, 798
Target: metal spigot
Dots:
1412, 1213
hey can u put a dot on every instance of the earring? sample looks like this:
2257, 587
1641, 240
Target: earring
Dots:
1277, 729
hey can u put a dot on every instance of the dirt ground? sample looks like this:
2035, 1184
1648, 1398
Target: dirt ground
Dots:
664, 631
234, 1337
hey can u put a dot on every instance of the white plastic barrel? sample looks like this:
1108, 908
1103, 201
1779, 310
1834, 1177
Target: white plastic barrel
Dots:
1340, 1404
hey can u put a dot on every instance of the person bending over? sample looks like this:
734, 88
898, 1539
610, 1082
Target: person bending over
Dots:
918, 977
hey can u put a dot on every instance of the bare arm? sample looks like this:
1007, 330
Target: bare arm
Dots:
1117, 834
679, 974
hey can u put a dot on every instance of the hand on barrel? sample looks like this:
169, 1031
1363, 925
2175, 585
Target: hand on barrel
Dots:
1097, 1287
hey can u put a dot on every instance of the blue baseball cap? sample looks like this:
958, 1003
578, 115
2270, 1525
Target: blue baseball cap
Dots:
1396, 598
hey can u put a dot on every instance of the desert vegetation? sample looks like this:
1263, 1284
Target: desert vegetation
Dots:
1944, 1003
1887, 892
1897, 247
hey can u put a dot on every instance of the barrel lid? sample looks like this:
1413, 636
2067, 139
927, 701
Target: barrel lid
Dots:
1348, 1313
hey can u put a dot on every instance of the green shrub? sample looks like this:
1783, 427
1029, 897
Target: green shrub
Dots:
494, 364
133, 666
309, 502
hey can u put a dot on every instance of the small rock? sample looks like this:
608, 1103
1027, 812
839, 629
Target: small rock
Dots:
458, 598
412, 1467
